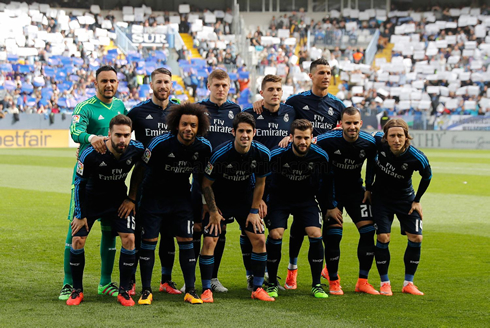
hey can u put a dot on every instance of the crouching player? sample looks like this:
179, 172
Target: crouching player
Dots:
100, 189
229, 192
292, 191
393, 193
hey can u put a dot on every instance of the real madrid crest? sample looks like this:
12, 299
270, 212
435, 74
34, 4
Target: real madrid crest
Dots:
310, 166
230, 115
404, 166
330, 111
253, 164
286, 118
362, 154
196, 156
128, 162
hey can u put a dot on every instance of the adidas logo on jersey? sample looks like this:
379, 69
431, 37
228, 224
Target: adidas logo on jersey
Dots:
260, 117
103, 164
101, 117
229, 166
286, 165
383, 153
337, 152
149, 117
171, 155
306, 107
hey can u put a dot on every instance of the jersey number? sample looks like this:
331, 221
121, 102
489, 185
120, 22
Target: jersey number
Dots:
130, 224
190, 225
418, 225
366, 211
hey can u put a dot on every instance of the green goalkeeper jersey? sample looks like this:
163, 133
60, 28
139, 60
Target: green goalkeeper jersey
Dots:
92, 117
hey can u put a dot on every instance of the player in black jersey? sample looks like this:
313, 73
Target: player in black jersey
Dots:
229, 192
392, 194
292, 190
348, 149
166, 197
99, 191
273, 125
149, 121
221, 114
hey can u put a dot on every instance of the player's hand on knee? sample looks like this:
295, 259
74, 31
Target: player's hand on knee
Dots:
98, 142
335, 214
256, 222
416, 207
262, 209
127, 207
214, 224
257, 106
78, 224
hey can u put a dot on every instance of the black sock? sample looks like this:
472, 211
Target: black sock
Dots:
126, 263
187, 263
166, 251
246, 247
315, 257
382, 256
196, 240
273, 258
332, 238
137, 243
206, 264
411, 258
147, 261
296, 237
258, 263
218, 252
77, 264
365, 250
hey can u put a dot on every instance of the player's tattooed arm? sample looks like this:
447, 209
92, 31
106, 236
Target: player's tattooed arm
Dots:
215, 217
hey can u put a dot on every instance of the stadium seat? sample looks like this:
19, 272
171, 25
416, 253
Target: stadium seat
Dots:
27, 88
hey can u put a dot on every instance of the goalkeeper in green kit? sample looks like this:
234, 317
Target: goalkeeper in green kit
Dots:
90, 126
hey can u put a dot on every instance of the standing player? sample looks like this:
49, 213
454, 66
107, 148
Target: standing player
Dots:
292, 191
393, 193
149, 121
273, 126
99, 191
171, 158
229, 193
323, 110
348, 149
221, 113
90, 126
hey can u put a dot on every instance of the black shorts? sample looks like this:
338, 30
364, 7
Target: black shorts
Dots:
173, 215
126, 225
305, 213
356, 209
384, 211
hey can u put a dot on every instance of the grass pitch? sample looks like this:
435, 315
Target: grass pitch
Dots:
454, 269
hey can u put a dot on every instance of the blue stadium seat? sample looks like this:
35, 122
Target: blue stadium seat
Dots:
6, 67
31, 101
49, 71
27, 88
12, 58
77, 61
244, 75
144, 91
233, 76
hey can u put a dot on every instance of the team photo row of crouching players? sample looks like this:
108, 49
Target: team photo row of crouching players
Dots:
197, 167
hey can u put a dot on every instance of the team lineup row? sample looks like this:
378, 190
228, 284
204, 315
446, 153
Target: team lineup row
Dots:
245, 175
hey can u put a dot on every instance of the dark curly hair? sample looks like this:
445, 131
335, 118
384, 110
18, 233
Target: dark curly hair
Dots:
176, 112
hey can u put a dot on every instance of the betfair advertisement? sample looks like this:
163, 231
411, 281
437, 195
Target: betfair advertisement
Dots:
34, 138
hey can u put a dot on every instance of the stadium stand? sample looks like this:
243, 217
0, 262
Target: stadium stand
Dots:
428, 63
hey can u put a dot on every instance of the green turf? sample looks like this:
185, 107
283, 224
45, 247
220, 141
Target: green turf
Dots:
34, 193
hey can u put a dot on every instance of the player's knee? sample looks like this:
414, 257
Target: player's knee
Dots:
127, 241
384, 238
314, 233
208, 245
415, 238
276, 234
78, 242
